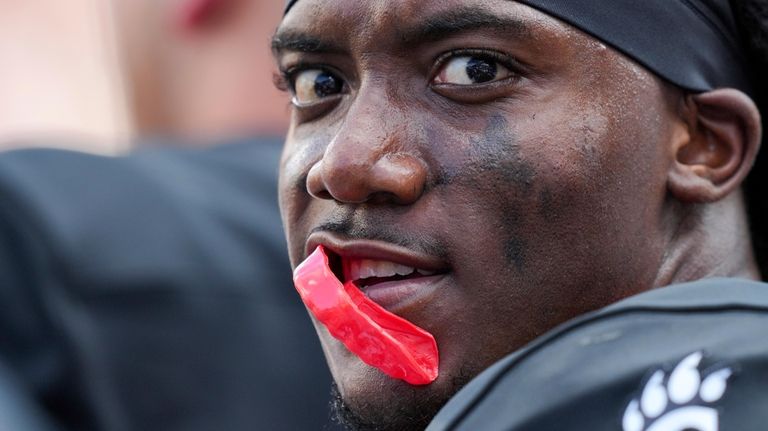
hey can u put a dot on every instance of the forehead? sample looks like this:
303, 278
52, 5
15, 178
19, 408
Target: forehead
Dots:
375, 24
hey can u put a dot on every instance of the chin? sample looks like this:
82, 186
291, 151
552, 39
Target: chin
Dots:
373, 401
398, 410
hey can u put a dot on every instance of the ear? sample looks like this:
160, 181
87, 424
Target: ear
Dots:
723, 139
193, 15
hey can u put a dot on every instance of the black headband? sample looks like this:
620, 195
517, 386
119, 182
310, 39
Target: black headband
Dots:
694, 44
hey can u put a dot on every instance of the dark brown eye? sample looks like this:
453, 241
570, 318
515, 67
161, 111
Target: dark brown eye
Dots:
313, 85
471, 70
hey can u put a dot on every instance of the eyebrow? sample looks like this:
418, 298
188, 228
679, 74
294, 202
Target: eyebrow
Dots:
294, 40
461, 20
437, 27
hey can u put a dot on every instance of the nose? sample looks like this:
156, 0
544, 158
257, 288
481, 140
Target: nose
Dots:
367, 163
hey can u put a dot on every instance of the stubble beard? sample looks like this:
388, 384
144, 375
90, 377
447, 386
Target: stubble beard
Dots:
413, 416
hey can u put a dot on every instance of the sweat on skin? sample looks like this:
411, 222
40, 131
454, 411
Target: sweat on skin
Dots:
570, 179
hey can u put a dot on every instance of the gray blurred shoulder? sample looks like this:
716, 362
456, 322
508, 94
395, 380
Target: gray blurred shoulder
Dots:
153, 214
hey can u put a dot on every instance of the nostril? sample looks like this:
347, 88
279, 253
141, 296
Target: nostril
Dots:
316, 184
323, 194
396, 178
402, 176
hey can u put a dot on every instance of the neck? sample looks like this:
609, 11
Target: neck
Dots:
710, 240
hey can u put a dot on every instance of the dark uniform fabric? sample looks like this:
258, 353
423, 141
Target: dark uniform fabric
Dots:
586, 374
152, 292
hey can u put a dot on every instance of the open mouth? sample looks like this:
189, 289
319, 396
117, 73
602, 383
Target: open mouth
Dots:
382, 339
392, 276
368, 272
378, 274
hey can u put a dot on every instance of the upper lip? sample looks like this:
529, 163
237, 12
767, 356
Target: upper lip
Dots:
375, 250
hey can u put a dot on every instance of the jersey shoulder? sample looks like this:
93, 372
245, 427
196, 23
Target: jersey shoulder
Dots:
687, 356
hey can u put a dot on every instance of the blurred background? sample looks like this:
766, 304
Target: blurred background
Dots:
97, 74
152, 291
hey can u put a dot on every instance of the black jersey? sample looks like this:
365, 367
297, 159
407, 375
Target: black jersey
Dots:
686, 357
152, 292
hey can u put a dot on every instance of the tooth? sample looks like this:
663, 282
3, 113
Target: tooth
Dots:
389, 269
425, 272
354, 270
367, 269
382, 269
403, 270
359, 270
345, 272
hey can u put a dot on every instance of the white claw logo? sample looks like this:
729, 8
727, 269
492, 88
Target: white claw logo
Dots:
682, 401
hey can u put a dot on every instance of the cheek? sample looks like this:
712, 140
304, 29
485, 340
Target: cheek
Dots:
601, 148
298, 157
564, 196
487, 181
597, 197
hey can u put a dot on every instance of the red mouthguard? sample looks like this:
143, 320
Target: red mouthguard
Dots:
379, 338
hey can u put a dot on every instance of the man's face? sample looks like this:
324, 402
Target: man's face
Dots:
519, 160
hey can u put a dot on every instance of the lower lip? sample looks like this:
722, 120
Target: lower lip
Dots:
398, 296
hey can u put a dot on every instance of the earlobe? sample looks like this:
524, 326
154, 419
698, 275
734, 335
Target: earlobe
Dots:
723, 139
